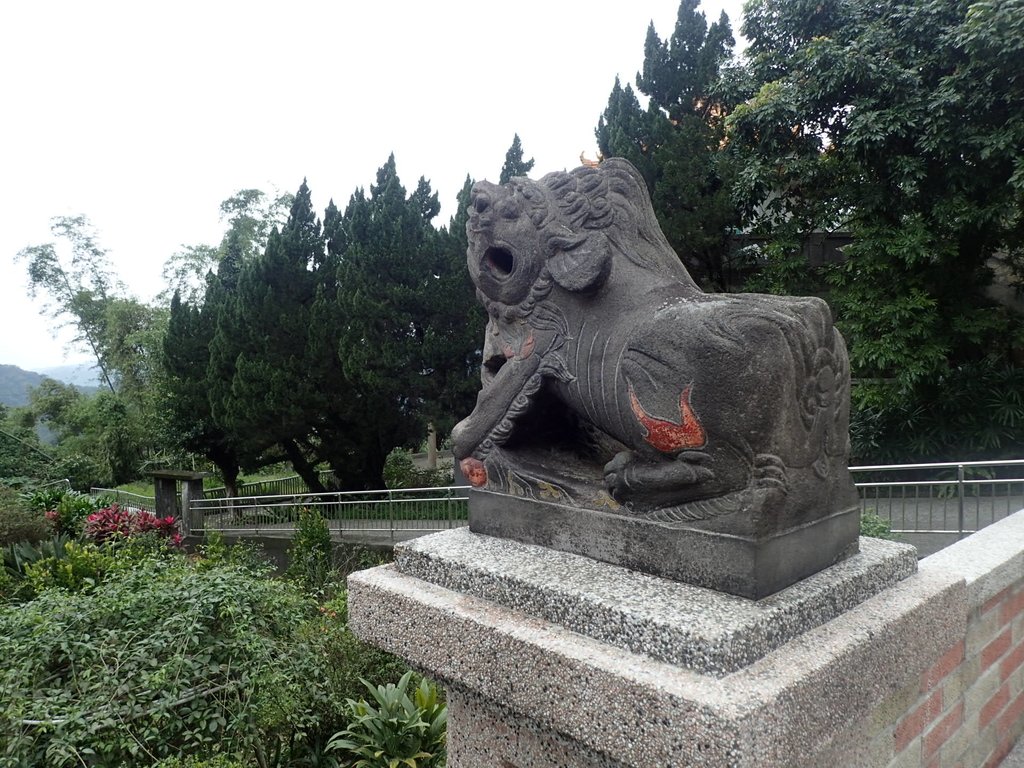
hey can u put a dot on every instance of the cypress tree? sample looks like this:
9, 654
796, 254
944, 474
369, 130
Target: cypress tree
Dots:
514, 164
676, 141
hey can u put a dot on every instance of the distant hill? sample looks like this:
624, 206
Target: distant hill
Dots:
15, 382
84, 375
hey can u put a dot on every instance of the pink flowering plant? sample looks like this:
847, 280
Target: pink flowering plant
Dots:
115, 522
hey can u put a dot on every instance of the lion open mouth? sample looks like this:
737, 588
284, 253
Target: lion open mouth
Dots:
499, 261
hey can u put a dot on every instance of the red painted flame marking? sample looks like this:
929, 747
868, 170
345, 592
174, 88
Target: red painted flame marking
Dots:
667, 436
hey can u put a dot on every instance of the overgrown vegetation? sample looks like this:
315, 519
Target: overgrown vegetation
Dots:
122, 650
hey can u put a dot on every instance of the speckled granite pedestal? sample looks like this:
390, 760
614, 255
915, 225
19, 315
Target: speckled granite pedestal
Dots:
553, 659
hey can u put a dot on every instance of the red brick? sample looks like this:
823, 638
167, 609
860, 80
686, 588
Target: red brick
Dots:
992, 602
945, 728
991, 652
1011, 661
911, 726
994, 706
996, 758
1011, 715
1012, 607
938, 671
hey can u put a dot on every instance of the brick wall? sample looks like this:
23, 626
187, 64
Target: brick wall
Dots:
966, 709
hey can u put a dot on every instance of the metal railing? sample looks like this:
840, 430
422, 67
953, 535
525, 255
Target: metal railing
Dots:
388, 514
126, 499
281, 486
949, 497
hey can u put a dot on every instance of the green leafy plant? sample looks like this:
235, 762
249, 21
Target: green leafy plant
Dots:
396, 730
310, 553
80, 569
348, 661
43, 499
215, 551
192, 761
876, 527
17, 557
400, 472
70, 513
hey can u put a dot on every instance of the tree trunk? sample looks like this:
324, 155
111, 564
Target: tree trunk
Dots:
302, 467
431, 446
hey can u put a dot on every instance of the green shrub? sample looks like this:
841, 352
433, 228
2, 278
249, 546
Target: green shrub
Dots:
17, 557
309, 557
192, 761
8, 587
876, 527
81, 568
395, 730
400, 472
347, 659
216, 551
352, 558
17, 525
44, 499
66, 510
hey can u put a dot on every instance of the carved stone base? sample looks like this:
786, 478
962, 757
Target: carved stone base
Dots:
752, 567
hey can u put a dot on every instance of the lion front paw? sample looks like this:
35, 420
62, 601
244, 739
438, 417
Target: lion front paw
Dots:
628, 477
618, 473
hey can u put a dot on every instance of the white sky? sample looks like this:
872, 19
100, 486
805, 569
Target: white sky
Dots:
144, 116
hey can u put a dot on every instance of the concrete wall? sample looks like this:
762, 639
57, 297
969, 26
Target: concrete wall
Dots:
967, 707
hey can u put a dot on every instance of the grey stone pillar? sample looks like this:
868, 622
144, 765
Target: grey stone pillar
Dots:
168, 502
191, 490
166, 493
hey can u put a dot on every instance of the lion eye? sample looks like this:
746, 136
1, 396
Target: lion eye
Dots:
498, 261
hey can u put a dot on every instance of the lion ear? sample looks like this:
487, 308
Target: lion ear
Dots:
584, 267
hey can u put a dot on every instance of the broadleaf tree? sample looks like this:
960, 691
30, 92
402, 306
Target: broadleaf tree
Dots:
903, 124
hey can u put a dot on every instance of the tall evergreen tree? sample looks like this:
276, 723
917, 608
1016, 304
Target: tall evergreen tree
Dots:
385, 270
454, 338
514, 164
675, 143
407, 333
187, 408
262, 335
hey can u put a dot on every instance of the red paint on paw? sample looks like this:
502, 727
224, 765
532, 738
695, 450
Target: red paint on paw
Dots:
667, 436
474, 471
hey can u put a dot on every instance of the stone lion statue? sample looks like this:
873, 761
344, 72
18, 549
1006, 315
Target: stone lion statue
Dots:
611, 382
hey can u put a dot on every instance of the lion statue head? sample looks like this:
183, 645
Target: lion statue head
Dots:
566, 230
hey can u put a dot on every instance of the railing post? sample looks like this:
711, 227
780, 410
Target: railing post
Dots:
960, 499
391, 514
